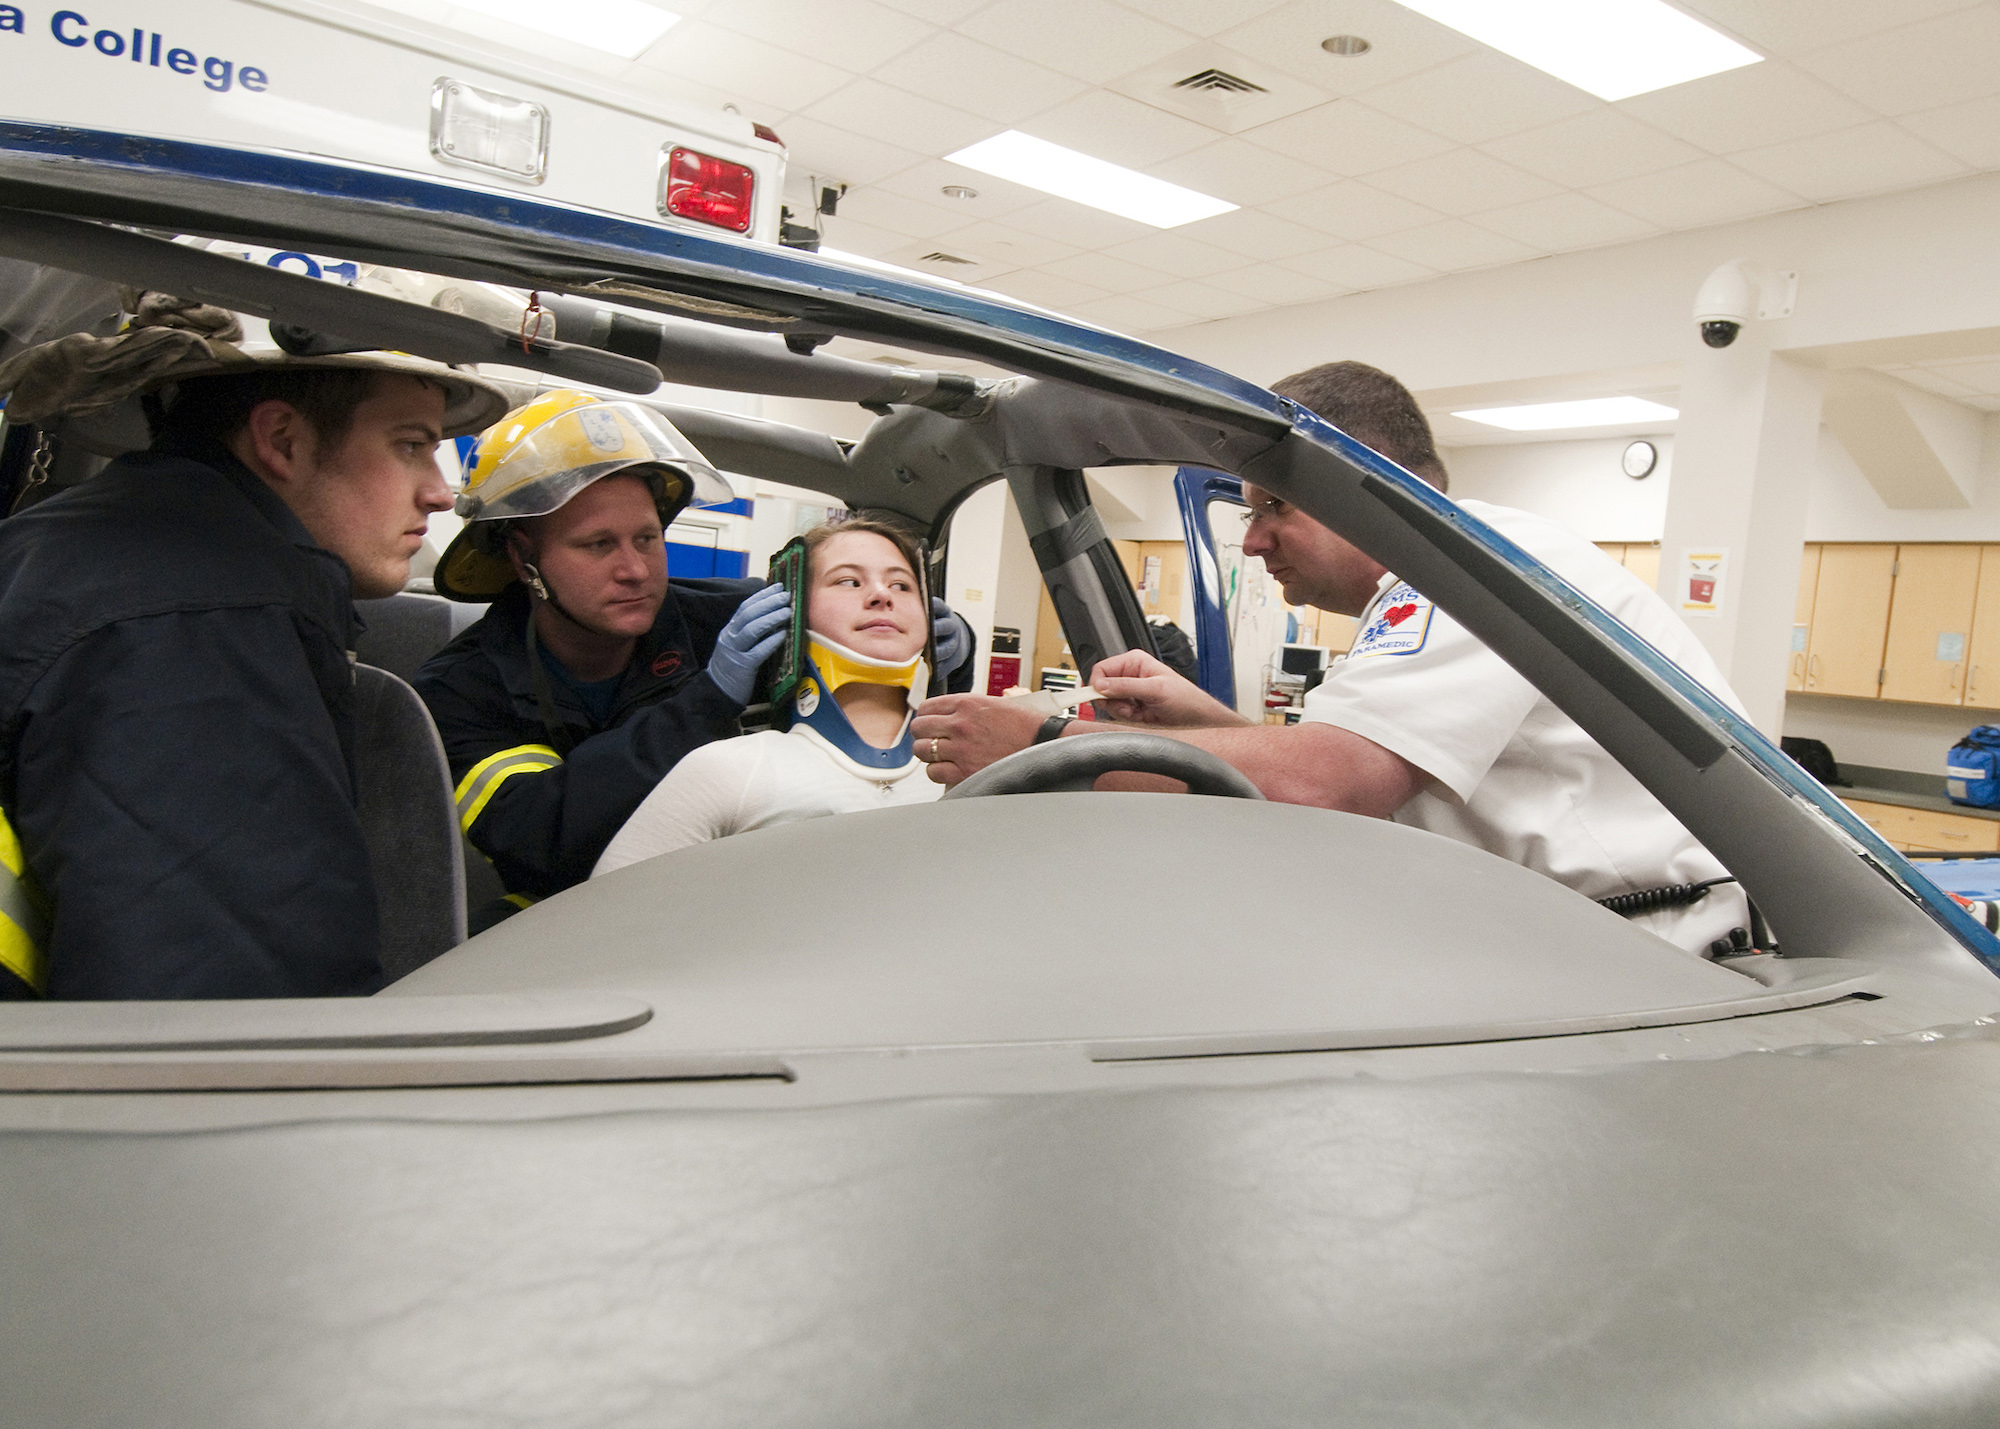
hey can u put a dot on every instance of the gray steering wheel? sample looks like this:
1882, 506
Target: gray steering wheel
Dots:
1072, 765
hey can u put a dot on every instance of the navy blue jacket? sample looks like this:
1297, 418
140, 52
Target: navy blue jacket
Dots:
543, 805
175, 744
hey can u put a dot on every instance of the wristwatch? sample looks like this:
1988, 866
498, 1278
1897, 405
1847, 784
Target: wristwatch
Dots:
1052, 727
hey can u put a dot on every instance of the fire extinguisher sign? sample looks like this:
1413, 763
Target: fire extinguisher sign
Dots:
1704, 580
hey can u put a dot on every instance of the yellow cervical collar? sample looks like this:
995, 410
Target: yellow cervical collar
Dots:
839, 666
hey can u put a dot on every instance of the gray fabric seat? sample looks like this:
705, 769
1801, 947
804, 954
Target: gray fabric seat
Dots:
407, 628
409, 822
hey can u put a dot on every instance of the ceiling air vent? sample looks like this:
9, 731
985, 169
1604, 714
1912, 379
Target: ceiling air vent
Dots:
949, 258
1219, 81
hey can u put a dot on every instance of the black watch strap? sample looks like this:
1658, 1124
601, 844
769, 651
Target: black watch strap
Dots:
1052, 727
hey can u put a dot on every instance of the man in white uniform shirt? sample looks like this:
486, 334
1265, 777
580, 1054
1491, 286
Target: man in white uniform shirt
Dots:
1420, 723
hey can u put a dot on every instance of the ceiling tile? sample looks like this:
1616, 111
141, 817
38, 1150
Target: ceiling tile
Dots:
1352, 209
938, 12
1256, 234
1113, 275
1463, 181
1246, 174
1453, 246
1968, 132
1094, 40
1871, 159
1348, 138
1124, 131
1790, 28
880, 208
1744, 108
961, 72
1207, 300
1402, 41
819, 148
1357, 268
998, 242
1130, 315
1945, 60
1172, 253
895, 116
1481, 96
1077, 224
1201, 17
1045, 290
1695, 195
934, 260
853, 236
1269, 283
994, 198
1563, 222
856, 35
725, 60
1593, 148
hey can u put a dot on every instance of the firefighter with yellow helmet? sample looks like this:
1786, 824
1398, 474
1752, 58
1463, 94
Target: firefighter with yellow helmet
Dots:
592, 673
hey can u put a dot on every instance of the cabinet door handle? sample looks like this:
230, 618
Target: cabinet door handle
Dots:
1947, 833
1812, 669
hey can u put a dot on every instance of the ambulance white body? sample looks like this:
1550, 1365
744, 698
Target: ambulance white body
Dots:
314, 79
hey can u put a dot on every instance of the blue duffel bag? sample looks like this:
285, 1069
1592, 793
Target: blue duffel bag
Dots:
1972, 769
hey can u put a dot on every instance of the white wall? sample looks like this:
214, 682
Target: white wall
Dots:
1870, 270
1846, 508
1882, 733
1578, 484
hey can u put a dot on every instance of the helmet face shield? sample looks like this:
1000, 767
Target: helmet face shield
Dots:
536, 466
539, 456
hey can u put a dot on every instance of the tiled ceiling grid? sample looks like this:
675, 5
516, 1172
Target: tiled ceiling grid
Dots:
1429, 154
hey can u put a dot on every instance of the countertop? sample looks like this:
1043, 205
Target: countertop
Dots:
1904, 789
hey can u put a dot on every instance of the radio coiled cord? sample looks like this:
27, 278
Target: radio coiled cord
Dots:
1649, 900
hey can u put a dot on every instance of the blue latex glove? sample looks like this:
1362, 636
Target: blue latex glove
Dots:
754, 634
954, 636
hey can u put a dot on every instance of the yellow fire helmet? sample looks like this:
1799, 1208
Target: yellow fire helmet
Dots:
537, 457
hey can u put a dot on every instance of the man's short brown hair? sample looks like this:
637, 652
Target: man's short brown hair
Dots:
215, 409
1372, 407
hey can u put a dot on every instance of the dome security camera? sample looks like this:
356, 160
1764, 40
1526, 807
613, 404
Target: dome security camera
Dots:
1730, 294
1723, 304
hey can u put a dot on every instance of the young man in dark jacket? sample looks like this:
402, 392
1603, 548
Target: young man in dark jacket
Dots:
177, 808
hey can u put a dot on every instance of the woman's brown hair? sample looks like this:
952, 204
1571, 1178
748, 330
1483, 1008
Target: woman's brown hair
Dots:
896, 536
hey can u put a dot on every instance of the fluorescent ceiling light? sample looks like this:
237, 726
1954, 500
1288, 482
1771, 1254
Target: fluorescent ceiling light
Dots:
1591, 412
626, 28
1023, 159
1612, 48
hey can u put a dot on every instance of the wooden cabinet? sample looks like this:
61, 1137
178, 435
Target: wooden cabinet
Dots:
1918, 623
1930, 624
1982, 651
1641, 558
1850, 619
1926, 831
1795, 663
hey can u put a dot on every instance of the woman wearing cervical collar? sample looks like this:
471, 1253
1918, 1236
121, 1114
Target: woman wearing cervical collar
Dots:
848, 747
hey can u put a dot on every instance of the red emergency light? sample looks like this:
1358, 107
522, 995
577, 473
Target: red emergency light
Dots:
709, 190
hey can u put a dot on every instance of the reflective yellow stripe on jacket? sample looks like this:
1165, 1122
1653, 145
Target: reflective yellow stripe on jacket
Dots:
484, 779
24, 929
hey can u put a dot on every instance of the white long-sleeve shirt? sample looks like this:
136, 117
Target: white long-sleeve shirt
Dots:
735, 785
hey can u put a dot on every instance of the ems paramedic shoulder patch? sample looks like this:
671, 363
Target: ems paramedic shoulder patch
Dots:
1398, 625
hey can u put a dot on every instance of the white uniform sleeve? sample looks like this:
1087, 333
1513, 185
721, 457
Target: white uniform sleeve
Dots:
1418, 684
702, 798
